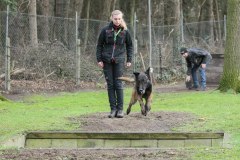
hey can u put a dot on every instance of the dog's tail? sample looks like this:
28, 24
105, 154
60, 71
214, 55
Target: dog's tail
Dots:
127, 79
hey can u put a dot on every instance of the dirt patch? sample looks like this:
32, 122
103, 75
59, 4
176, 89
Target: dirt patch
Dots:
24, 88
98, 154
134, 122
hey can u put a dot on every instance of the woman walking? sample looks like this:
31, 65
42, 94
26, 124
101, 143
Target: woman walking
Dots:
114, 52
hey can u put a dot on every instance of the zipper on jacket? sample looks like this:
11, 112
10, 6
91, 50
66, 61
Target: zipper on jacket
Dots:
112, 58
114, 45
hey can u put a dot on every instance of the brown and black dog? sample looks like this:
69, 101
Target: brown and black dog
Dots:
142, 89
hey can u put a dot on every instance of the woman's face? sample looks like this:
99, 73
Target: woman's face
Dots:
117, 19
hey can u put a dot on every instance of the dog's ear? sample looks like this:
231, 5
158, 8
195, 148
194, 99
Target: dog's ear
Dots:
147, 72
136, 74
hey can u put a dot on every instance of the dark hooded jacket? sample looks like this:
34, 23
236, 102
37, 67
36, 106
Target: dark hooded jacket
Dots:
106, 52
196, 57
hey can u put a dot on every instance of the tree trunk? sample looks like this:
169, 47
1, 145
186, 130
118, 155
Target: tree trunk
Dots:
218, 33
158, 20
45, 25
200, 18
106, 11
115, 4
67, 27
231, 70
176, 33
133, 2
33, 23
58, 27
87, 27
79, 7
210, 28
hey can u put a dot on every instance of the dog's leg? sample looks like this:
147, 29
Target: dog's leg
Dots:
148, 104
143, 110
146, 109
140, 100
132, 102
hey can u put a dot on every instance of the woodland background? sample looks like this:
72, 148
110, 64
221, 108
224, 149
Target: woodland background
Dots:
163, 11
43, 35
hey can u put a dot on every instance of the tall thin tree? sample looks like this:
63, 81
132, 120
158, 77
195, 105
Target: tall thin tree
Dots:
33, 23
231, 70
176, 32
44, 8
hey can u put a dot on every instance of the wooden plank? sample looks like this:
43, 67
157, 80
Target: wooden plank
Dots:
122, 135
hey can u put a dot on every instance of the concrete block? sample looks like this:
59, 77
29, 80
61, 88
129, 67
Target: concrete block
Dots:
170, 143
198, 142
116, 143
64, 143
217, 142
144, 143
90, 143
38, 143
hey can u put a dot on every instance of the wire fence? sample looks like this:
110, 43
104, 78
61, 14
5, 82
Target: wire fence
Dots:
54, 57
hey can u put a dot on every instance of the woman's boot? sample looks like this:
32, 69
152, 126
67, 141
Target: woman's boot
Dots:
120, 113
112, 102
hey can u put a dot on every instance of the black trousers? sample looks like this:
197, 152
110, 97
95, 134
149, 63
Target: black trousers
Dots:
114, 86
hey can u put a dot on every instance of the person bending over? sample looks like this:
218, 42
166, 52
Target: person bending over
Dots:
196, 59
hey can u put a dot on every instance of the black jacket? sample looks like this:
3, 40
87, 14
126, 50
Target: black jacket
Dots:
105, 45
196, 57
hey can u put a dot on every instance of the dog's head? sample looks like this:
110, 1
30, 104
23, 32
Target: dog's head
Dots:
142, 81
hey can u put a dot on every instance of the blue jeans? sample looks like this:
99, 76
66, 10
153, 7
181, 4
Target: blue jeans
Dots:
202, 73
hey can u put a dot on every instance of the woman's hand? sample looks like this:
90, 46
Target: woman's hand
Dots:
128, 64
203, 66
188, 78
100, 64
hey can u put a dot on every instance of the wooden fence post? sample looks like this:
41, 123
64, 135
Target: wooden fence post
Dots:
7, 66
78, 63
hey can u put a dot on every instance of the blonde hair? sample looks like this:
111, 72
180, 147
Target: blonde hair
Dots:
117, 12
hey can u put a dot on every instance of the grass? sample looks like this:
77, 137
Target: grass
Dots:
216, 111
47, 113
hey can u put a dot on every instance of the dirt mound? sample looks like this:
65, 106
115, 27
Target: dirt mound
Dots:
134, 122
